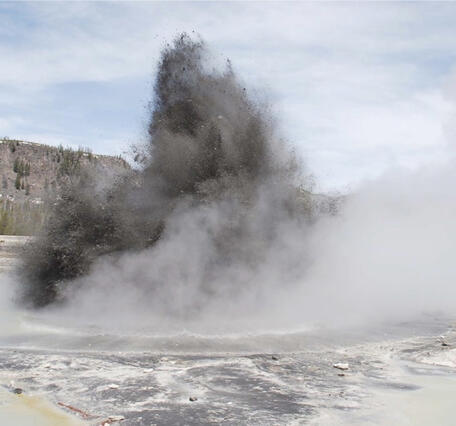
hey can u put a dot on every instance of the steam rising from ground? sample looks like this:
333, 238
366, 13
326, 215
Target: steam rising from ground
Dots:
216, 193
387, 256
214, 233
390, 253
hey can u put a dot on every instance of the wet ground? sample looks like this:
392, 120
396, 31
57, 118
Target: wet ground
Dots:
390, 374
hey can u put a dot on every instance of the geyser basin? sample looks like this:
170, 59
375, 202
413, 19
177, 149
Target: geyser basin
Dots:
168, 290
255, 379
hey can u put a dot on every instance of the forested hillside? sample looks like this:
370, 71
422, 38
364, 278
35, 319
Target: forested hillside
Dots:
31, 175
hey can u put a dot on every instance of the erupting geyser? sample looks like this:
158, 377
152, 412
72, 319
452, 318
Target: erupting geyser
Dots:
216, 192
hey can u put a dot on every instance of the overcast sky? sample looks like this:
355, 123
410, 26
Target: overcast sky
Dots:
358, 87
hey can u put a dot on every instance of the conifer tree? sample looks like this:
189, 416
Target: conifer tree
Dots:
21, 168
17, 183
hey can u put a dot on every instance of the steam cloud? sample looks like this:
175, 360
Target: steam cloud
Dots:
215, 233
216, 195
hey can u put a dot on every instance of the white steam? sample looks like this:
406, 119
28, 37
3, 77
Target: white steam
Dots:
388, 255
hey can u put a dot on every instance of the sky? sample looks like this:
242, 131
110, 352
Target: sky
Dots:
358, 88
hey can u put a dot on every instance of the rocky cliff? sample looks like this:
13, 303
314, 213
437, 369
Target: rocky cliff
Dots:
30, 170
31, 174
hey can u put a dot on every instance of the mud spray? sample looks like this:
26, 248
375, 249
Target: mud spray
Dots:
217, 232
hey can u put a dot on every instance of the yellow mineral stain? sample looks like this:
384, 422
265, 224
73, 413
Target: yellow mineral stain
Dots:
25, 410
